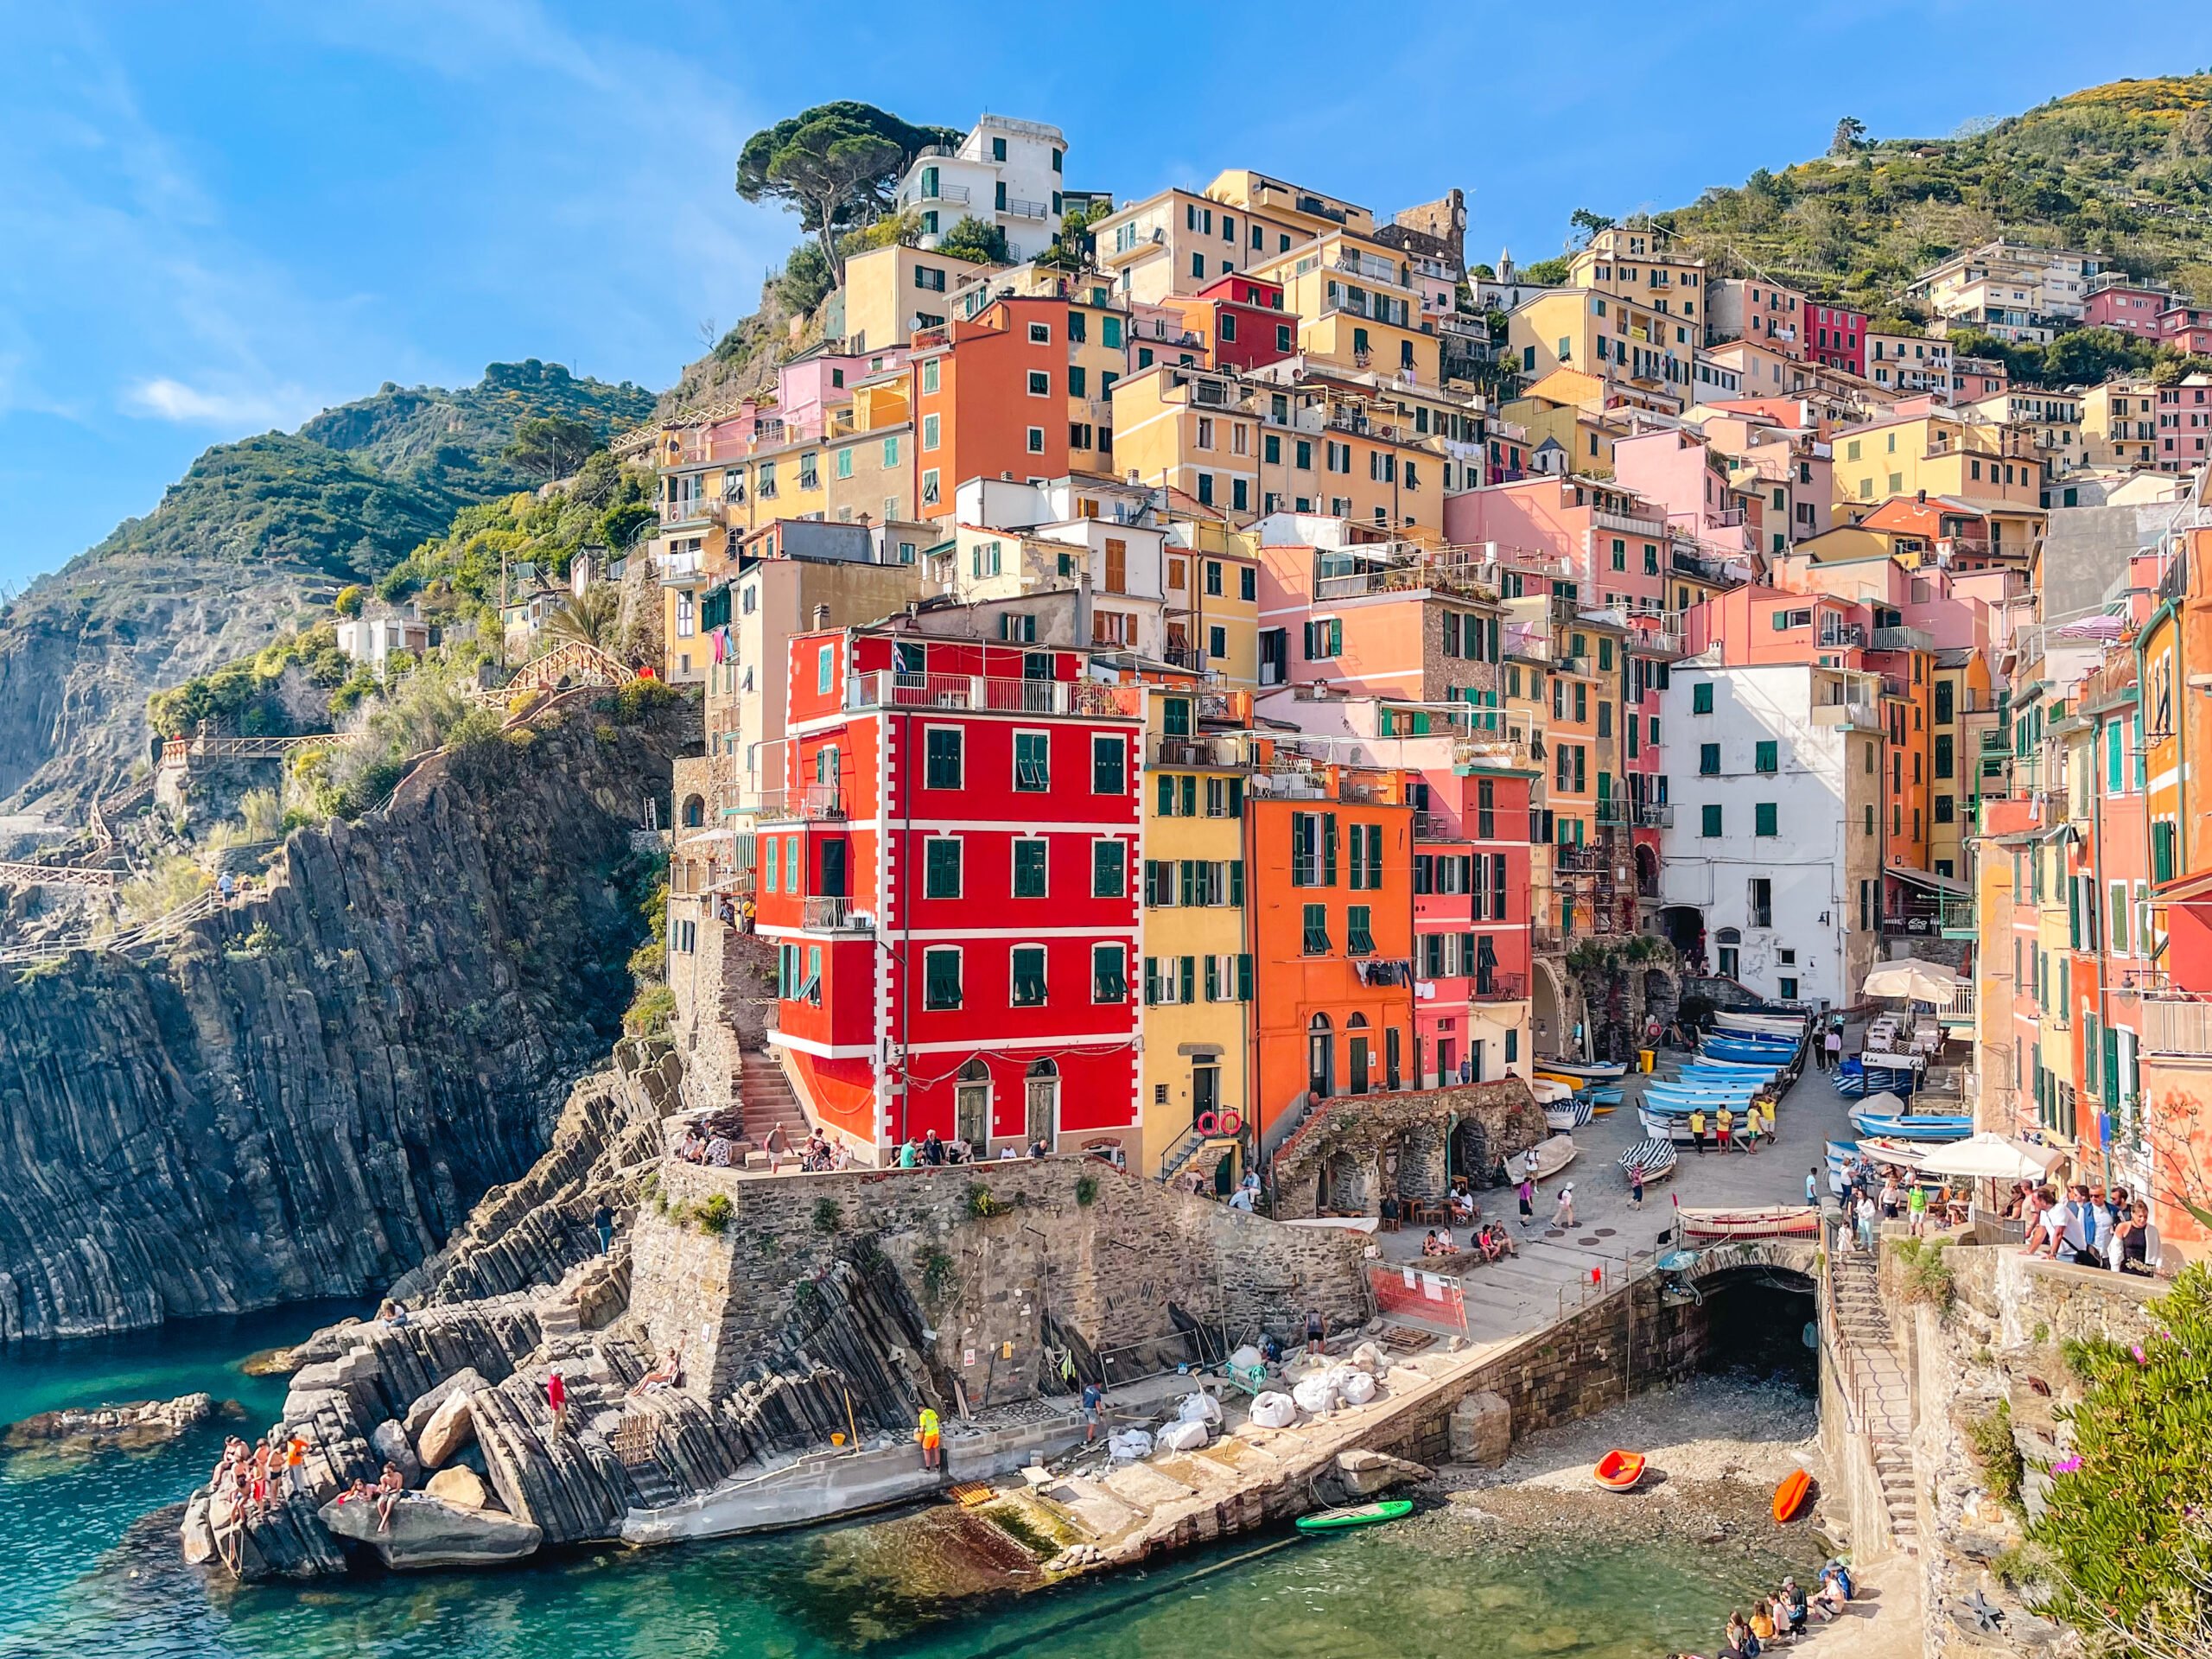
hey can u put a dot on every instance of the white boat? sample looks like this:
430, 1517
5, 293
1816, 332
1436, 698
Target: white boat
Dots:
1587, 1070
1775, 1025
1549, 1091
1552, 1156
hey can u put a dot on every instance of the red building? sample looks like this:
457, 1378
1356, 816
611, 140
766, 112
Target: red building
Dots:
950, 881
2131, 307
1471, 942
1837, 337
1241, 321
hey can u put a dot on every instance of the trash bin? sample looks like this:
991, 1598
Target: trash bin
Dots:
1645, 1058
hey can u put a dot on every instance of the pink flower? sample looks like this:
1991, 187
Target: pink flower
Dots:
2141, 1358
2066, 1467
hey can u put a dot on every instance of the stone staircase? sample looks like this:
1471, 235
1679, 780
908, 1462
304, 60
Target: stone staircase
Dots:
768, 1103
1877, 1389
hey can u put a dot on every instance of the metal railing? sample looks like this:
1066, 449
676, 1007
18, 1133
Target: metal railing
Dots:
1228, 749
2172, 1025
1022, 208
825, 912
1499, 988
814, 803
889, 689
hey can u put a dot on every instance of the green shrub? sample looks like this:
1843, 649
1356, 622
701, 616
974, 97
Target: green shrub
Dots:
1086, 1189
2124, 1531
714, 1214
1997, 1455
981, 1204
1926, 1277
937, 1279
829, 1214
650, 1013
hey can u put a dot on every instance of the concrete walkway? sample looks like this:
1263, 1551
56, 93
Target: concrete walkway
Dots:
1552, 1274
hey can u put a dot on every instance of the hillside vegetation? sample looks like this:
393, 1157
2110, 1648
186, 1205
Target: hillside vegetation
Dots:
2125, 168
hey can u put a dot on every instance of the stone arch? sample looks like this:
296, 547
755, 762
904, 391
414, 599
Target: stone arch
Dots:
694, 811
1684, 928
1548, 1026
1646, 871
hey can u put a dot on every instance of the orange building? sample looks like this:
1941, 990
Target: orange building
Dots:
991, 398
1331, 919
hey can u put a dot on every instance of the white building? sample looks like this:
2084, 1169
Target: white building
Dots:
1775, 777
2012, 290
1005, 172
370, 640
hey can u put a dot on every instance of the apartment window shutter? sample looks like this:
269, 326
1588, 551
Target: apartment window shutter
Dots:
1213, 980
1328, 849
1190, 978
1187, 882
1237, 881
1243, 978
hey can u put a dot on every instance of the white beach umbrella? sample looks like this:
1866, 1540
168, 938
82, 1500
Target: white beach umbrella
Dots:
1915, 980
1989, 1156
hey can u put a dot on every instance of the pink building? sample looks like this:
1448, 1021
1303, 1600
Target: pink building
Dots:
2131, 307
1616, 542
1836, 336
1688, 479
2186, 328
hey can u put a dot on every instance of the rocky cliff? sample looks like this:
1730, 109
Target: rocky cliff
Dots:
307, 1094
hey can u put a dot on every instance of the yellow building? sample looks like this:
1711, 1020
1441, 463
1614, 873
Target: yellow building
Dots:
1995, 468
2119, 423
1180, 241
1637, 264
889, 293
1584, 440
1197, 975
1646, 358
1213, 601
1357, 306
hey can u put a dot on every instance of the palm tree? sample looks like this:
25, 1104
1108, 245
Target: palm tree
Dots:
589, 618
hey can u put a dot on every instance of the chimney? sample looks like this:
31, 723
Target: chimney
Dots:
1922, 496
822, 616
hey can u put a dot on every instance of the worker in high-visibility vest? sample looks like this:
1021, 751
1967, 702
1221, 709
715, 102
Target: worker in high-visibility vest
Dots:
929, 1433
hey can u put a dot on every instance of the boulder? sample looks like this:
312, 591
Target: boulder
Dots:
1480, 1429
427, 1531
1363, 1474
389, 1441
467, 1380
450, 1427
198, 1532
461, 1487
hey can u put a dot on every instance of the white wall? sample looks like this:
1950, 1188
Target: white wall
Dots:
1815, 795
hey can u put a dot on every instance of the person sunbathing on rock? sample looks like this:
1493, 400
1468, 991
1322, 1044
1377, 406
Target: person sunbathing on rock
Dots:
665, 1373
389, 1485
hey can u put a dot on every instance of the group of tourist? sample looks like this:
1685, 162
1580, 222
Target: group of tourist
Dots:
230, 888
1491, 1240
709, 1142
248, 1479
390, 1487
932, 1148
1729, 1132
2085, 1225
1783, 1615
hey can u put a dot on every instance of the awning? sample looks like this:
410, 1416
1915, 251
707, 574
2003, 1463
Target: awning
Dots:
1916, 980
2185, 890
1989, 1156
1913, 878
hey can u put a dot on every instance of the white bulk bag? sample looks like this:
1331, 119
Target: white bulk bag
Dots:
1316, 1394
1199, 1408
1129, 1445
1273, 1410
1183, 1437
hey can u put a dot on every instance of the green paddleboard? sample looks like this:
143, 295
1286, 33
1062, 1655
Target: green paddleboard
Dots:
1366, 1515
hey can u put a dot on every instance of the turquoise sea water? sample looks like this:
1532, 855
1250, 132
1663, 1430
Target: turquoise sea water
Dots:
87, 1576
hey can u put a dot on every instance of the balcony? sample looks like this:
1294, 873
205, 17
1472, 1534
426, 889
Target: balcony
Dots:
1498, 988
1021, 207
1221, 753
889, 689
1961, 1011
1436, 826
832, 914
926, 192
1570, 859
1847, 716
1629, 526
689, 510
1903, 639
1842, 634
2175, 1026
1650, 816
812, 803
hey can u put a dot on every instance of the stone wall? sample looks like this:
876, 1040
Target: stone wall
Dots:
1372, 1145
722, 1001
1622, 1344
1124, 1275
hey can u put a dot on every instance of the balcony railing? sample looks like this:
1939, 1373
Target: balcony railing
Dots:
690, 509
813, 802
1629, 526
1650, 816
1855, 716
1225, 750
887, 689
1903, 639
1499, 988
2174, 1027
822, 911
941, 192
1435, 826
1021, 207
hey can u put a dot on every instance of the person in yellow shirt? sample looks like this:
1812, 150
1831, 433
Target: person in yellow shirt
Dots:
1725, 1124
1697, 1128
929, 1433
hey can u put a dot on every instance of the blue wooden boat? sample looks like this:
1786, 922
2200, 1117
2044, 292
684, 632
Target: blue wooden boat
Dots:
1729, 1073
1702, 1091
1723, 1048
1908, 1125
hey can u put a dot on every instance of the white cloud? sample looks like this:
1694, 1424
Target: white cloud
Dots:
241, 410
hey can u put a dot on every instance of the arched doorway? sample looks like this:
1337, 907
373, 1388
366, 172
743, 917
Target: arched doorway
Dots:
1684, 926
695, 811
971, 1104
1546, 1009
1320, 1056
1727, 953
1041, 1103
1647, 872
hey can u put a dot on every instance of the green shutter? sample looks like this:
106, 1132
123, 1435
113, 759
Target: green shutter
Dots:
1328, 849
1166, 796
1187, 882
1765, 816
1244, 978
1189, 976
1237, 881
1190, 795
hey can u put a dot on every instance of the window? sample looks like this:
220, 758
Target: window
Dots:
1029, 976
1709, 826
932, 371
1359, 933
1109, 767
845, 463
931, 278
1945, 760
944, 746
1708, 759
825, 669
1032, 771
1316, 930
940, 868
941, 978
1701, 698
930, 424
1367, 857
1040, 333
1765, 816
1760, 901
1040, 383
1109, 974
1036, 440
1324, 639
1029, 866
1109, 870
1314, 849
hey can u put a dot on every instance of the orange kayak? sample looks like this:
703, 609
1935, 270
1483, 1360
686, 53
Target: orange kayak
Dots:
1790, 1497
1618, 1470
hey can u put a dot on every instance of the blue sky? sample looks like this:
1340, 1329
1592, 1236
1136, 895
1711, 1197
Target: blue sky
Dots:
216, 219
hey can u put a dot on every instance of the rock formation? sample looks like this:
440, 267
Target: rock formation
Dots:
304, 1098
132, 1427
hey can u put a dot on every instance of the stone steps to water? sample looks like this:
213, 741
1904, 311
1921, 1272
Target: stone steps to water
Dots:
769, 1104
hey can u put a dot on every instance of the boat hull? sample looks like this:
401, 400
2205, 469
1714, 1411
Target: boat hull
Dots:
1618, 1470
1367, 1514
1790, 1497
